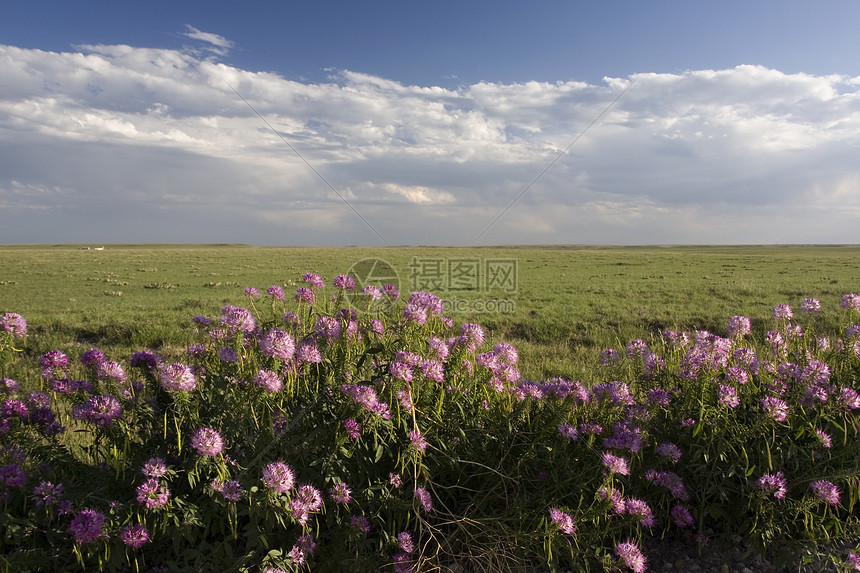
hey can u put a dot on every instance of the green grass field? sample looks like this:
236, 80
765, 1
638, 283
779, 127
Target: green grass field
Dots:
569, 302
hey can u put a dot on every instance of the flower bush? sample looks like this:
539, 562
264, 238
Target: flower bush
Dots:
345, 431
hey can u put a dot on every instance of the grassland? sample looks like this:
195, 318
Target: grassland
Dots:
570, 302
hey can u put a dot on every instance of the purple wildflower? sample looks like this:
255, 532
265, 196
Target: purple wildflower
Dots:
14, 324
251, 292
177, 377
564, 521
849, 398
372, 292
405, 399
394, 480
360, 523
276, 292
854, 560
46, 494
682, 516
659, 397
739, 326
328, 328
145, 359
640, 510
305, 295
308, 353
433, 370
773, 483
615, 464
99, 410
632, 556
341, 493
279, 477
93, 357
810, 306
314, 280
227, 355
636, 348
401, 371
851, 302
154, 468
207, 442
609, 357
152, 493
353, 428
87, 526
12, 475
418, 441
391, 291
230, 489
344, 282
775, 408
671, 481
826, 491
669, 450
268, 381
404, 539
237, 319
824, 437
728, 397
568, 431
135, 536
424, 498
8, 385
782, 312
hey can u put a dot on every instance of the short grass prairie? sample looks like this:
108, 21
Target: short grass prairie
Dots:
563, 306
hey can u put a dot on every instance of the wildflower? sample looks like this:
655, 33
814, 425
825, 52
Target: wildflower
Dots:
682, 516
372, 292
824, 437
87, 526
237, 319
394, 480
251, 292
176, 376
276, 292
152, 493
615, 464
782, 312
658, 397
472, 335
739, 326
773, 483
46, 493
568, 431
328, 328
851, 302
305, 295
268, 381
826, 491
415, 313
506, 353
632, 556
353, 428
728, 397
614, 497
227, 355
207, 442
391, 291
401, 371
640, 509
12, 475
307, 500
308, 353
344, 282
93, 357
135, 536
8, 385
154, 468
341, 493
279, 477
53, 363
810, 306
404, 539
402, 563
671, 481
360, 523
433, 370
609, 357
14, 324
100, 410
405, 399
230, 489
418, 441
564, 521
304, 546
669, 450
144, 359
365, 396
849, 398
314, 280
636, 348
775, 408
424, 498
737, 375
854, 560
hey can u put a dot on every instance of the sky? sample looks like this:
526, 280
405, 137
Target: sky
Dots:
430, 123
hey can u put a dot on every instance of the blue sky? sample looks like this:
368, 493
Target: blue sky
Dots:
291, 123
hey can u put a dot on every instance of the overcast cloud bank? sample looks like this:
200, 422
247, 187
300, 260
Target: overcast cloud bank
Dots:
126, 144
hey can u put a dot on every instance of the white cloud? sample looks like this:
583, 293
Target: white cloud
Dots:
689, 157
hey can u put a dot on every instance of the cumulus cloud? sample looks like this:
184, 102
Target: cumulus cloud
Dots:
146, 137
